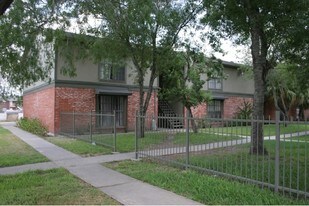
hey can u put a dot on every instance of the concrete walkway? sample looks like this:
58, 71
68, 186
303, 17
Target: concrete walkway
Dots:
122, 188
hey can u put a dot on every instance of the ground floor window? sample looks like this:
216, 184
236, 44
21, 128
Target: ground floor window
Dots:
107, 104
215, 108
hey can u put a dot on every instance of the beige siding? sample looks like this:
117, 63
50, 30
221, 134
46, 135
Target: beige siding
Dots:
234, 83
87, 71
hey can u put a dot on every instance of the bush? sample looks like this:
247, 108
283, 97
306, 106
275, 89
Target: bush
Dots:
244, 112
33, 126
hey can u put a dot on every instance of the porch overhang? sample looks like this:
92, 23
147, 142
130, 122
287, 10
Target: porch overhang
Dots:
113, 91
219, 97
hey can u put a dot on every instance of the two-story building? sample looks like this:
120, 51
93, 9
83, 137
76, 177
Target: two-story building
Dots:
102, 87
105, 87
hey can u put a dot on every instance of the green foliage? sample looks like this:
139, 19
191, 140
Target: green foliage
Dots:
26, 49
182, 78
244, 111
143, 35
263, 23
286, 86
34, 126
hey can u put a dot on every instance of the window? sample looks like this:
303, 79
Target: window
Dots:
107, 104
111, 71
215, 84
214, 109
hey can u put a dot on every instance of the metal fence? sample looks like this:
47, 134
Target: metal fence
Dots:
95, 128
224, 147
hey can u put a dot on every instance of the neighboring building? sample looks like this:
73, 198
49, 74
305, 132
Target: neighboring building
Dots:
7, 104
102, 87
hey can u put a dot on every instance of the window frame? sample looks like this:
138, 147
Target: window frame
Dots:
215, 82
214, 105
112, 74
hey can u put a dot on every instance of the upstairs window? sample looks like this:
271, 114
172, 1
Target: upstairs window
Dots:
109, 71
215, 84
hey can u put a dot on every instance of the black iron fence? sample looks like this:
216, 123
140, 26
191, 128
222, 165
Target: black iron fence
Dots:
224, 147
95, 128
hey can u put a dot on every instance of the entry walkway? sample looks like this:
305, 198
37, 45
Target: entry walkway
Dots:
122, 188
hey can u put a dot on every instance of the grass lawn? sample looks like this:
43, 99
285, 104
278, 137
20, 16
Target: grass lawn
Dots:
125, 142
236, 160
79, 147
55, 187
14, 151
200, 187
301, 138
269, 129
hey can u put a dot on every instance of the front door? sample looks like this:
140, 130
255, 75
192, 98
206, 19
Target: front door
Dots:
107, 104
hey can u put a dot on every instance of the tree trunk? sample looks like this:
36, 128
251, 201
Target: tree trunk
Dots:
142, 111
259, 53
193, 124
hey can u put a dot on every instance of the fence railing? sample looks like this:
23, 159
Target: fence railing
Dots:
226, 148
91, 127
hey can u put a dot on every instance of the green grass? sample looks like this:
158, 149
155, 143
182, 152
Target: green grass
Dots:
125, 142
200, 187
55, 187
14, 151
301, 138
79, 147
294, 163
269, 129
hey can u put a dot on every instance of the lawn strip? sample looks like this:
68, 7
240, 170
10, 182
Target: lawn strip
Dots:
55, 187
200, 187
14, 152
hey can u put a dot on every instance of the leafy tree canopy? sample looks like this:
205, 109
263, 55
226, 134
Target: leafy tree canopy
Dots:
23, 30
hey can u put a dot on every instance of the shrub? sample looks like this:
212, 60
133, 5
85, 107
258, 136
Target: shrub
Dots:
33, 126
244, 111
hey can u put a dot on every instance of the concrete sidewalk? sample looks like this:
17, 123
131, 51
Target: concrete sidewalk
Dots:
122, 188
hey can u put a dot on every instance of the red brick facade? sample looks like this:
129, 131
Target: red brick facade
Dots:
230, 107
41, 105
48, 103
133, 106
69, 99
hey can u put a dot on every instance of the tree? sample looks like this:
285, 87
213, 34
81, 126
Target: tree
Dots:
4, 5
182, 78
24, 28
144, 31
287, 88
267, 25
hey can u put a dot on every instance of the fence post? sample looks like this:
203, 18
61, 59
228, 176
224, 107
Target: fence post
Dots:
115, 135
91, 127
277, 160
73, 122
137, 126
187, 139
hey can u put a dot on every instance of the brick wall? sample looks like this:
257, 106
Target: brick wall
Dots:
199, 111
41, 105
133, 106
231, 105
69, 99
